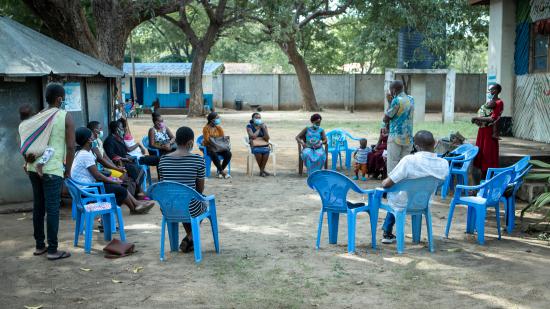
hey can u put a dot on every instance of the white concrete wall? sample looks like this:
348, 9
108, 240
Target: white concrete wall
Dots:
206, 84
502, 35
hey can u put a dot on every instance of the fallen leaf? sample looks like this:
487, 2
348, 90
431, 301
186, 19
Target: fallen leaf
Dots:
454, 250
138, 269
34, 307
360, 282
116, 281
19, 219
85, 269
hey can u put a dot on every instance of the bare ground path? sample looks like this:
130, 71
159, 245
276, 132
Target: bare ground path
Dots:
268, 260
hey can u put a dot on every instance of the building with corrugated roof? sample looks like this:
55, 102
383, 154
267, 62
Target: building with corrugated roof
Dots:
167, 82
30, 60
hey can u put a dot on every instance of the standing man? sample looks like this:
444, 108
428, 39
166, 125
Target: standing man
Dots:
399, 116
47, 188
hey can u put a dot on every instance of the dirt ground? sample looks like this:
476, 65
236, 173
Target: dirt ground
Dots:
267, 229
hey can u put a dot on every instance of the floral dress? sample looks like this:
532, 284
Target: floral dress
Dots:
314, 154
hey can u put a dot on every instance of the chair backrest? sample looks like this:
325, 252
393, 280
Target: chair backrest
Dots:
337, 139
75, 192
462, 148
469, 156
332, 187
522, 164
494, 187
145, 141
419, 191
518, 178
174, 199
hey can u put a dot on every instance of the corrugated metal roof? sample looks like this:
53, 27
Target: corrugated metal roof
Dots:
25, 52
169, 69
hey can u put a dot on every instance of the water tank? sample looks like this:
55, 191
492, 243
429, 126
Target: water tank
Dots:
412, 55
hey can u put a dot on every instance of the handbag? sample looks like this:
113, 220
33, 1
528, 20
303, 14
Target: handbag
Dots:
259, 142
219, 144
117, 249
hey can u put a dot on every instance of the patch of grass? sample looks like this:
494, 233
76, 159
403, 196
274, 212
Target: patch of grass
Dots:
438, 129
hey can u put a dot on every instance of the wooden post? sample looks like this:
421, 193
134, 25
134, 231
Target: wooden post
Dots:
134, 94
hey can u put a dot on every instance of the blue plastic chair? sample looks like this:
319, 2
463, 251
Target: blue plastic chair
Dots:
90, 205
520, 169
152, 151
490, 193
174, 199
336, 143
458, 167
333, 189
419, 193
207, 160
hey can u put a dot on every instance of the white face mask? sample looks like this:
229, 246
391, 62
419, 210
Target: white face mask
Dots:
63, 105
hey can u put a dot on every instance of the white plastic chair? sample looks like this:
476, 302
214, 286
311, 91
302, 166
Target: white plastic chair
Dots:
250, 159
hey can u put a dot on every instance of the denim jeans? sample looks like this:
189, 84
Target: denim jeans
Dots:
389, 222
47, 199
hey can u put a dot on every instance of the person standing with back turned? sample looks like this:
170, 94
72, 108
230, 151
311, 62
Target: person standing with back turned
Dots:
47, 188
400, 118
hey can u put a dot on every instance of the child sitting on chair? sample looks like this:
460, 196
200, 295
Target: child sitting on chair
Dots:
360, 156
25, 112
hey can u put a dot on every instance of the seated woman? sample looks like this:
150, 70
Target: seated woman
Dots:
258, 137
118, 152
186, 168
375, 160
312, 139
213, 129
160, 136
104, 163
84, 170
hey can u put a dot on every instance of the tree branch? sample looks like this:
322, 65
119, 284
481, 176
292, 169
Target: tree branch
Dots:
324, 13
184, 25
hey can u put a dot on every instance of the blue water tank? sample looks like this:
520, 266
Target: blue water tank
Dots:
411, 54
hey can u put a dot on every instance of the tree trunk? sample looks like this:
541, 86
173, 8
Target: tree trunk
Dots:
302, 73
196, 102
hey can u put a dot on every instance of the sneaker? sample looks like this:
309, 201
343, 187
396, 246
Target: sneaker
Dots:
388, 238
364, 178
355, 177
226, 176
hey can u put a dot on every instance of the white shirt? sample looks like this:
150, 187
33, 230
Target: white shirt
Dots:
418, 165
79, 170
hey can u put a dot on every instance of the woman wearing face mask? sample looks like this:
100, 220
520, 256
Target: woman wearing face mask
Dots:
84, 169
259, 141
99, 152
213, 129
312, 139
160, 136
186, 168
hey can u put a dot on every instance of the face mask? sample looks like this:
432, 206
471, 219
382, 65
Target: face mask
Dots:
94, 144
258, 122
63, 104
490, 96
120, 132
217, 121
190, 148
100, 135
316, 126
162, 125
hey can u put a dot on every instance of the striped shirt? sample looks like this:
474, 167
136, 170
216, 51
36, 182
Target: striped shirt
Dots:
185, 170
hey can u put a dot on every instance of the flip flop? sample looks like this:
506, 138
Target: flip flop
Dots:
59, 255
38, 252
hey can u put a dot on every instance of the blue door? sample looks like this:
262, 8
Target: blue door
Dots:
149, 91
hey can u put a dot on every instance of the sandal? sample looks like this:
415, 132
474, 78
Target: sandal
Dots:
58, 255
186, 245
38, 252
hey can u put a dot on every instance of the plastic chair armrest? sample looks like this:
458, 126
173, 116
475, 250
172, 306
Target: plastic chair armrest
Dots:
209, 198
480, 186
93, 190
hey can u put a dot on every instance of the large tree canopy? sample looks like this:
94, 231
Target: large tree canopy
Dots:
98, 28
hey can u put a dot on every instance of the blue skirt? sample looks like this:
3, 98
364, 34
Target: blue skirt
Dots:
260, 150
